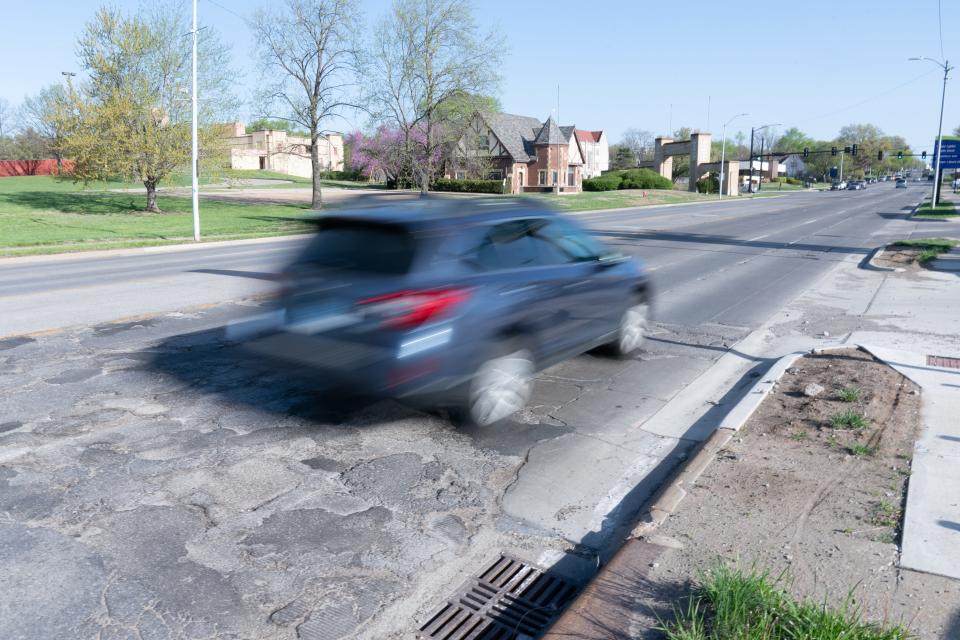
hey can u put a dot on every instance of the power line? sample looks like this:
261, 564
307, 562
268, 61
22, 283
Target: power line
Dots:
864, 101
230, 11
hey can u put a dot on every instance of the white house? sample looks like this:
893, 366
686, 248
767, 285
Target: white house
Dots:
595, 150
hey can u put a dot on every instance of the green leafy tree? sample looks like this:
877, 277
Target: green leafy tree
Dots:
621, 157
131, 118
794, 141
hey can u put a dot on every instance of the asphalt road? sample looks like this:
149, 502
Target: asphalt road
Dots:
156, 482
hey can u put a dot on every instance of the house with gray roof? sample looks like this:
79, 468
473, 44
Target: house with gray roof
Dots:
528, 154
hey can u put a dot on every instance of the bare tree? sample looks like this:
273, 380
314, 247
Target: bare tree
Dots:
424, 53
6, 118
43, 113
640, 143
308, 59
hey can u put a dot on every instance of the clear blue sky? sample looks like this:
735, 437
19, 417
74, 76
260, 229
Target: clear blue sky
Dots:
622, 64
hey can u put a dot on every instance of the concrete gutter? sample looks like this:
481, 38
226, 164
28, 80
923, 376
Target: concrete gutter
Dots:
870, 262
601, 607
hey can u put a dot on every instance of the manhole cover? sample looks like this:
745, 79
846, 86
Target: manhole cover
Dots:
943, 361
509, 600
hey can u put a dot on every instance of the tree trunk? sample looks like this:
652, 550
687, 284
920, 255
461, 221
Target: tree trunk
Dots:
151, 186
316, 201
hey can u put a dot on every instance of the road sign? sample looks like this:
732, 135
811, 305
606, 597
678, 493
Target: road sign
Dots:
834, 172
951, 152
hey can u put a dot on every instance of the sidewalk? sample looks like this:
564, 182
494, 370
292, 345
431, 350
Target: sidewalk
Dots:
912, 322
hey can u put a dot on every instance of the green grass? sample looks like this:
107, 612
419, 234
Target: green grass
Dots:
849, 394
232, 175
929, 248
588, 200
848, 419
731, 603
861, 450
945, 209
799, 436
40, 214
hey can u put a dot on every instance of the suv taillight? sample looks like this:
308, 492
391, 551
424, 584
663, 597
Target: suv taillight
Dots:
410, 309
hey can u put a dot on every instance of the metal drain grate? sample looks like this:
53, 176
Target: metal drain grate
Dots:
943, 361
509, 600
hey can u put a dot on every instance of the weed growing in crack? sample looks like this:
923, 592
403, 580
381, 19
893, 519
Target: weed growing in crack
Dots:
799, 436
885, 513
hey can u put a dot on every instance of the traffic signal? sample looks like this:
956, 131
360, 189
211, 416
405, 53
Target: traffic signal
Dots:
899, 155
880, 154
846, 149
833, 151
924, 155
806, 152
854, 150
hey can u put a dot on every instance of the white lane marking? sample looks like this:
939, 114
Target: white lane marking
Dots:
758, 237
812, 221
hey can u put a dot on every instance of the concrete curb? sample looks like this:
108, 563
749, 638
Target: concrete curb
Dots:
598, 603
869, 263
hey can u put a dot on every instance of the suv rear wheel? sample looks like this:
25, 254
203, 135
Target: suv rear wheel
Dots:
501, 386
633, 328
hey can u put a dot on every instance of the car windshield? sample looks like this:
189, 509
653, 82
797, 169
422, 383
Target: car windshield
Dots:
361, 246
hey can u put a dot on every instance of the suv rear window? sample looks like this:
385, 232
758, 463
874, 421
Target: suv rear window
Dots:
370, 247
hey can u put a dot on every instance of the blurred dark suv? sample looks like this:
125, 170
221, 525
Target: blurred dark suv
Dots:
456, 303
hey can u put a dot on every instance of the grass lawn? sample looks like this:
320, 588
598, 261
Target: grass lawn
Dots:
587, 200
945, 209
40, 214
230, 175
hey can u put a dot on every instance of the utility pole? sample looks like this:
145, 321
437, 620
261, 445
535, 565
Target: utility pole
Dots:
750, 187
945, 65
195, 188
760, 181
841, 165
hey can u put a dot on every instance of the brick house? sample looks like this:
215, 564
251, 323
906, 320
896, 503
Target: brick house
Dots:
528, 154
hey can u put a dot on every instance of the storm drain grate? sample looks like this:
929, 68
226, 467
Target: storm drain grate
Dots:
943, 361
507, 601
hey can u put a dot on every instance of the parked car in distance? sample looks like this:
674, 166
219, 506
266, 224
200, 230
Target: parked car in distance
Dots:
452, 303
901, 183
854, 186
838, 186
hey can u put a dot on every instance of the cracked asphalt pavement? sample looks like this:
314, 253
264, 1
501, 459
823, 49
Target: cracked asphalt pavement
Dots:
157, 482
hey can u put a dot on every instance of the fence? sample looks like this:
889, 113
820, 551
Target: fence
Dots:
31, 167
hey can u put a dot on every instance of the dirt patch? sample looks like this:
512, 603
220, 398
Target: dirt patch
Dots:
807, 488
900, 258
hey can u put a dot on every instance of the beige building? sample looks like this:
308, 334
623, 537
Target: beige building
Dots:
276, 150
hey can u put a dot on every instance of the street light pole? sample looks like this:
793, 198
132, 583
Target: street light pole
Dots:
195, 189
750, 187
945, 65
760, 181
723, 151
